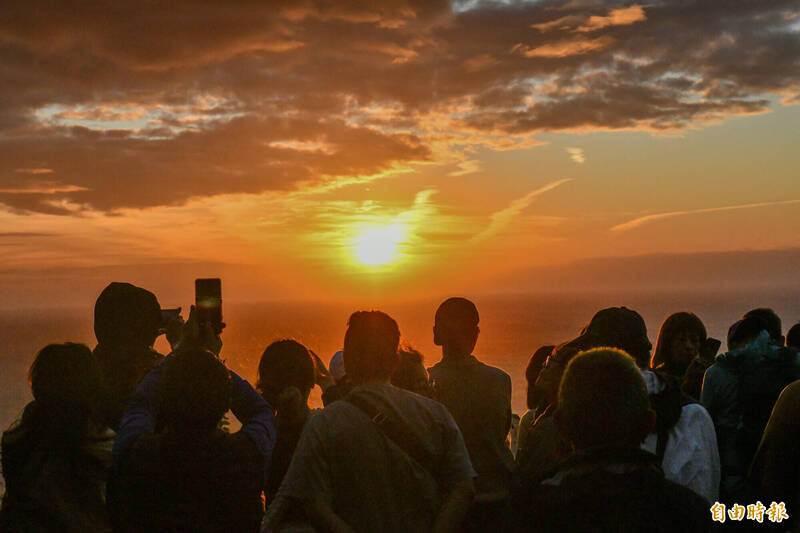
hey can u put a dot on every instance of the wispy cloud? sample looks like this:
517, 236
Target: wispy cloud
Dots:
503, 218
43, 188
577, 155
34, 171
636, 222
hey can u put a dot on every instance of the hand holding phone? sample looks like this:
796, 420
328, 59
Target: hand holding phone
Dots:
208, 302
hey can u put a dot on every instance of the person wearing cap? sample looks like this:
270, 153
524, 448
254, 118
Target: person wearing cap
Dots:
608, 483
740, 390
127, 320
479, 398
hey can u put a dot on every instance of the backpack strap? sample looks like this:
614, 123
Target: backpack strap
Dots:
668, 405
396, 431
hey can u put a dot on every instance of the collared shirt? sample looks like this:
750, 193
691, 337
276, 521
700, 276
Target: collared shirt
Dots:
345, 460
479, 398
691, 457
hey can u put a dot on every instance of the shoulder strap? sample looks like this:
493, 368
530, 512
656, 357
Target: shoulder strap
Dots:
396, 431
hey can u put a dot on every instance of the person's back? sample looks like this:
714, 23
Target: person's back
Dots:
189, 475
55, 459
126, 324
383, 458
477, 395
609, 484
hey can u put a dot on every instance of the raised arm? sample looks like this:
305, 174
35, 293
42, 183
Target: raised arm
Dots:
255, 414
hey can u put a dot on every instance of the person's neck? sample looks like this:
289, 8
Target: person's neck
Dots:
450, 353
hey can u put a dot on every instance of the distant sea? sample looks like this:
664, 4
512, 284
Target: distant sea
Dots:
512, 327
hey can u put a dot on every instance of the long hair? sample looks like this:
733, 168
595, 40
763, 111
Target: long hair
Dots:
674, 325
64, 382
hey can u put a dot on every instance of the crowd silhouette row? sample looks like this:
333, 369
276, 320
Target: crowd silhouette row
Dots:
618, 435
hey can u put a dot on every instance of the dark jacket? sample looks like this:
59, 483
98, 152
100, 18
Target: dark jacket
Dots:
613, 490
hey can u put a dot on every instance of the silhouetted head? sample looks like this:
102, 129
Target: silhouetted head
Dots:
617, 327
456, 325
370, 346
679, 341
772, 323
745, 331
410, 373
125, 315
550, 375
603, 401
64, 374
285, 363
194, 392
336, 366
532, 371
793, 337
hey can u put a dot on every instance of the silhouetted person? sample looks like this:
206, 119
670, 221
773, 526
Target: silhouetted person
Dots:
55, 459
740, 390
609, 484
535, 400
174, 470
479, 398
286, 375
679, 341
772, 323
793, 337
410, 373
382, 459
126, 323
775, 471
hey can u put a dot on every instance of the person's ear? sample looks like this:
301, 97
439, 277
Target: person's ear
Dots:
436, 336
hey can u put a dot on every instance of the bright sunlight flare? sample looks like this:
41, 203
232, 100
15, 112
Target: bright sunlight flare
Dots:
378, 245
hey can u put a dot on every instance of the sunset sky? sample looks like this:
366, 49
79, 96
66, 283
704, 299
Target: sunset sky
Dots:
328, 149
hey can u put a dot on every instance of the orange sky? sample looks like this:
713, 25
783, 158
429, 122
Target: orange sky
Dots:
456, 144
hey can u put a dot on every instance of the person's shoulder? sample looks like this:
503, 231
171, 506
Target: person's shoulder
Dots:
494, 372
679, 501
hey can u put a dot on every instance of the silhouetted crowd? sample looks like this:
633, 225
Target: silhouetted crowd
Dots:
618, 436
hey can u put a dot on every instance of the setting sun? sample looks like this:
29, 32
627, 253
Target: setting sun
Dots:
377, 245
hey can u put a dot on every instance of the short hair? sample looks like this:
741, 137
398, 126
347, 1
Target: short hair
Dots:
126, 315
408, 360
370, 345
745, 330
194, 392
772, 322
602, 398
286, 363
673, 326
457, 313
793, 337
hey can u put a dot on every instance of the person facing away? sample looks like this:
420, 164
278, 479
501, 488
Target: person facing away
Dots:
479, 398
55, 458
383, 458
609, 483
535, 397
741, 388
286, 376
173, 468
793, 337
410, 373
126, 323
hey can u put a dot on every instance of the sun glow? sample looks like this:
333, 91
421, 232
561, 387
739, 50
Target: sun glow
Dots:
378, 245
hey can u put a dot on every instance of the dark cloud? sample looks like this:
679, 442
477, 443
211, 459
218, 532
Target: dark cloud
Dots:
134, 106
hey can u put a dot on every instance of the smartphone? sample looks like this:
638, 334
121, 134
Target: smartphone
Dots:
709, 349
208, 302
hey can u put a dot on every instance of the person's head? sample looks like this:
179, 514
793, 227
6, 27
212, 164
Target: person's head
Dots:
679, 340
793, 337
618, 327
456, 325
64, 374
370, 346
772, 323
65, 383
285, 363
603, 401
194, 392
410, 373
125, 315
336, 367
552, 370
532, 371
745, 331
